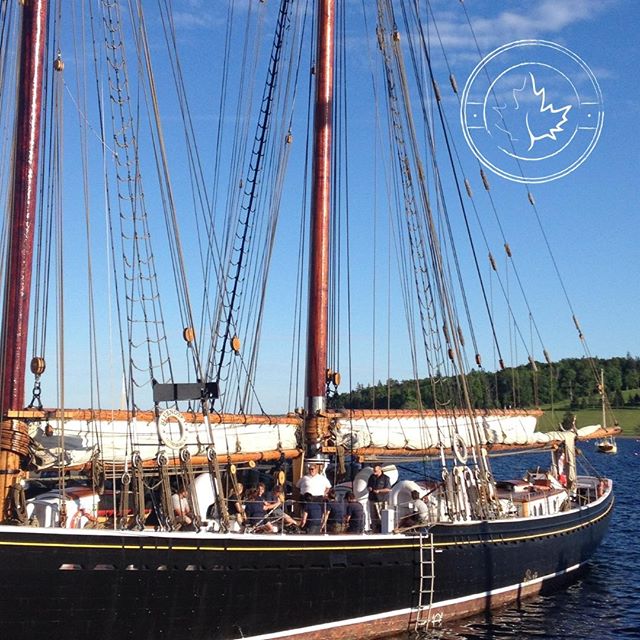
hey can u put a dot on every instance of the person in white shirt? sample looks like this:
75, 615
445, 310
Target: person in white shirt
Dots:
313, 482
420, 515
181, 508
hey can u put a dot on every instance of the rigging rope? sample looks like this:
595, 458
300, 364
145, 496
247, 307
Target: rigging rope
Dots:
243, 231
486, 185
543, 233
415, 190
297, 341
144, 315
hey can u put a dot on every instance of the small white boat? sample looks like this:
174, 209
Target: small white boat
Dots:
607, 445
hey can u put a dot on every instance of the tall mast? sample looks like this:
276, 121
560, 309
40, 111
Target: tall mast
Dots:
316, 369
602, 400
24, 188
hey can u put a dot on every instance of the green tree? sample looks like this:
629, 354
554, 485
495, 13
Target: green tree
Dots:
618, 400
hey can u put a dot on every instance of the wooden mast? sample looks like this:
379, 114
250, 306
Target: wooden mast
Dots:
15, 320
316, 368
603, 400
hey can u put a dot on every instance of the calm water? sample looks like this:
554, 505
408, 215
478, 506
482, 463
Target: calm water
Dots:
602, 605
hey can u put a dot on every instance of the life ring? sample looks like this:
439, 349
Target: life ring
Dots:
166, 437
460, 449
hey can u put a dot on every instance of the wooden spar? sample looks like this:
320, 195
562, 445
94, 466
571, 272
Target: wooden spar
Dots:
108, 415
372, 453
202, 461
355, 414
316, 367
24, 189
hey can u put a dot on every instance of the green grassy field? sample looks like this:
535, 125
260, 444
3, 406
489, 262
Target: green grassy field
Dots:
628, 419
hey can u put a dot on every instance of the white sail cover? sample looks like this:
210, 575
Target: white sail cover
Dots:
430, 431
115, 441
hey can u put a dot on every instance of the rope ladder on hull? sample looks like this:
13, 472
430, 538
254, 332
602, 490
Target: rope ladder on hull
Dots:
423, 616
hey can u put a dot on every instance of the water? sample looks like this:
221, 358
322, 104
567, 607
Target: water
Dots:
605, 602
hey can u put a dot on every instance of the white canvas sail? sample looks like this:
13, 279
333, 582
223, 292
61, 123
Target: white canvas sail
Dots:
116, 440
430, 431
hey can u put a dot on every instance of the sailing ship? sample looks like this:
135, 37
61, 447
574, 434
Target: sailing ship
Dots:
131, 571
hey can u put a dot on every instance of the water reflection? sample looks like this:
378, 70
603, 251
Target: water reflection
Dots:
602, 604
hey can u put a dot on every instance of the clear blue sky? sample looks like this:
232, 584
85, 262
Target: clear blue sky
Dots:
590, 216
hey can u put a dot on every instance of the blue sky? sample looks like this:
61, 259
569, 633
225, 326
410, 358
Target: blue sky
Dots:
590, 216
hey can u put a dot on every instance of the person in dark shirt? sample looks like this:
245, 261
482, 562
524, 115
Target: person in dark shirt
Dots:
334, 514
253, 508
312, 515
379, 487
255, 512
354, 514
262, 491
275, 507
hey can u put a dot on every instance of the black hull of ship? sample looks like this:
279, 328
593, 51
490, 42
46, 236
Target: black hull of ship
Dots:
97, 584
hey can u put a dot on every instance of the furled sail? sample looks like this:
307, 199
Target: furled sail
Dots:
412, 431
116, 438
407, 432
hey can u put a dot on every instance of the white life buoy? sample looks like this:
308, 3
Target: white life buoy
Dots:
460, 449
165, 429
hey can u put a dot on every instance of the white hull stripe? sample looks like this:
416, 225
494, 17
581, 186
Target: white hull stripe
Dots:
401, 612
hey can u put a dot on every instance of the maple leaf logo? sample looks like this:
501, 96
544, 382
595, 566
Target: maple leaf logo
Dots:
529, 119
547, 110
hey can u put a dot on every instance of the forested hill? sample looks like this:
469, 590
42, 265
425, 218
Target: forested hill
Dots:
570, 381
